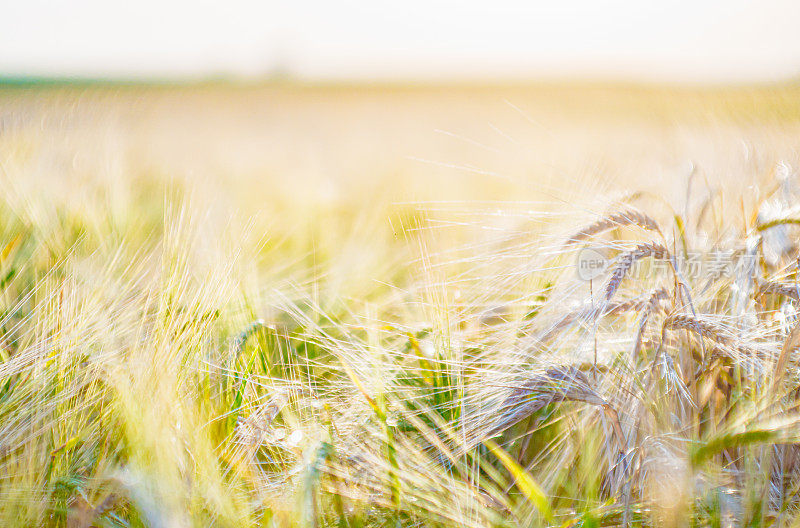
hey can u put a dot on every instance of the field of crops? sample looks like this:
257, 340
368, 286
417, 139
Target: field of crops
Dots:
331, 305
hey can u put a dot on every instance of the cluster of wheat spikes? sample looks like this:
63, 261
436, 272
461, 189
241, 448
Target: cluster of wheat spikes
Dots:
167, 382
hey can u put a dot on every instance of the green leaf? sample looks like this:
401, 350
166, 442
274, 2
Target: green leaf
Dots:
525, 482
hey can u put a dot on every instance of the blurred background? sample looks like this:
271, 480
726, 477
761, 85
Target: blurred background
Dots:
310, 106
678, 41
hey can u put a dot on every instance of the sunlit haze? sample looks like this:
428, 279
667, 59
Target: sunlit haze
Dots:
685, 40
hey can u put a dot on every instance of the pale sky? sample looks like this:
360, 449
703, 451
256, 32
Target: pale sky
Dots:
680, 40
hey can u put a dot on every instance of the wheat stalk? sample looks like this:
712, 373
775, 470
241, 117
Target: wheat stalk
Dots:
237, 346
776, 222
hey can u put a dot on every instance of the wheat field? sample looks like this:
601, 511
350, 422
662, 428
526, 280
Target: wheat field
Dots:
399, 305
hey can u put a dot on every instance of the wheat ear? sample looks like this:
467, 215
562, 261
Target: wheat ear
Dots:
780, 288
636, 304
653, 304
558, 384
618, 219
626, 261
706, 329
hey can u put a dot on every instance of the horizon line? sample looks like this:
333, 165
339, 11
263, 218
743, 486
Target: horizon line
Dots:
234, 80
